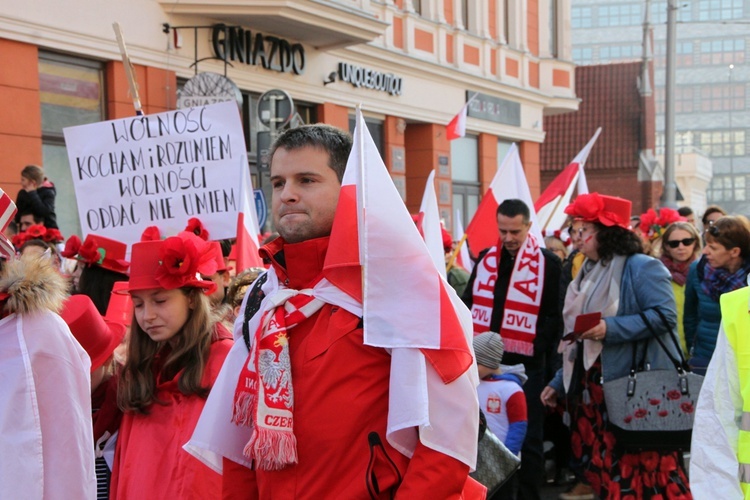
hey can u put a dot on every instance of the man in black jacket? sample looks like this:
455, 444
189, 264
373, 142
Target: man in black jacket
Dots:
514, 290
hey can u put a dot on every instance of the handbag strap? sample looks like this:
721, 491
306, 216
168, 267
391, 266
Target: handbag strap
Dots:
678, 364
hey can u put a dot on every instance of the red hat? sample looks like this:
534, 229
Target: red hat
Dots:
104, 252
120, 308
98, 336
217, 255
173, 263
151, 233
606, 210
71, 247
447, 240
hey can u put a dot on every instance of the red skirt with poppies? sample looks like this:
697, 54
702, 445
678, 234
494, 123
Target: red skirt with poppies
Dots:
614, 474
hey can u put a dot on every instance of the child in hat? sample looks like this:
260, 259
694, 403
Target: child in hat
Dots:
501, 398
174, 355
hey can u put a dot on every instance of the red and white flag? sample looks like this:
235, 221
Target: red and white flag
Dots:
247, 246
509, 183
408, 307
462, 259
7, 212
431, 229
456, 128
551, 204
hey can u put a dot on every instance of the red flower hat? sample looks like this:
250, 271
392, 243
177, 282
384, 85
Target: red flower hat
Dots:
71, 247
178, 261
653, 224
151, 233
53, 236
606, 210
36, 231
120, 308
104, 252
217, 255
195, 226
98, 336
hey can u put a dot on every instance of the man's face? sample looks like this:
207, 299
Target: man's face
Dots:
305, 193
26, 222
513, 232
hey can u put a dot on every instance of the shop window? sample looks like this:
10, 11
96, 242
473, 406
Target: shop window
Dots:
71, 93
465, 176
375, 127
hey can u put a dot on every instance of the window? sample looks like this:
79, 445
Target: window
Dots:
722, 143
583, 56
726, 188
553, 28
715, 10
580, 17
684, 52
72, 93
614, 52
723, 97
465, 159
620, 15
375, 127
723, 51
683, 100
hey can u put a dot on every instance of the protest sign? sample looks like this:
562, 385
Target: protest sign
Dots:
159, 170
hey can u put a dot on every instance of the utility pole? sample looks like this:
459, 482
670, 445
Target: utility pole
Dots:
670, 188
730, 91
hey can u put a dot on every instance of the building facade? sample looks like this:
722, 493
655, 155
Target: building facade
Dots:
712, 120
411, 64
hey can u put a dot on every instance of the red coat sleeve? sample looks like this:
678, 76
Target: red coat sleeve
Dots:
432, 474
238, 482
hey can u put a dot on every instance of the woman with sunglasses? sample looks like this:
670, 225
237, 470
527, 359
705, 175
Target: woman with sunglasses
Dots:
723, 267
681, 246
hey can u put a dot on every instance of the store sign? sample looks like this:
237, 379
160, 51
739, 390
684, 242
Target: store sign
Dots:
232, 43
494, 109
208, 88
370, 78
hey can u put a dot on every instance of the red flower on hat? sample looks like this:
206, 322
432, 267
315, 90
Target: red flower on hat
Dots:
183, 258
151, 233
586, 206
653, 224
19, 239
53, 236
36, 231
195, 226
71, 247
90, 253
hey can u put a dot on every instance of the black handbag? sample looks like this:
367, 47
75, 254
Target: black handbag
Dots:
495, 462
653, 409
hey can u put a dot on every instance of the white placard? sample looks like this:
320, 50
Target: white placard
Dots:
159, 170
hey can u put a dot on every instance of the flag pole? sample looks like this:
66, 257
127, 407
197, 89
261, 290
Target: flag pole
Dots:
557, 205
129, 69
454, 254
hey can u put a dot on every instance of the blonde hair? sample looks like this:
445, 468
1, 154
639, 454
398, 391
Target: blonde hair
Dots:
33, 173
241, 284
136, 389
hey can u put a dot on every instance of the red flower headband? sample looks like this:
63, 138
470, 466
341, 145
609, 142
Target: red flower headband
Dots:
195, 226
90, 253
182, 259
71, 247
653, 224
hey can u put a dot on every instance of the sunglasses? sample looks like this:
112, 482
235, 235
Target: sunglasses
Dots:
713, 231
675, 243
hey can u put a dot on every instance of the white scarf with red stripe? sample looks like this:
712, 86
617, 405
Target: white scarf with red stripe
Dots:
264, 398
522, 303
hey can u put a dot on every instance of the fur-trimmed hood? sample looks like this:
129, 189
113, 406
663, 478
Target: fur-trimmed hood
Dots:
33, 284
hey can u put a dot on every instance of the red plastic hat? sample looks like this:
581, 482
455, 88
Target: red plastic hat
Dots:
606, 210
71, 247
217, 255
97, 336
151, 233
104, 252
120, 308
447, 240
179, 261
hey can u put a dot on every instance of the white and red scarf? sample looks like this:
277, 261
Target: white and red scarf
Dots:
264, 398
522, 303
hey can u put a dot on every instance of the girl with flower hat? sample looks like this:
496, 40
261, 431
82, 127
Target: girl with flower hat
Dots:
175, 352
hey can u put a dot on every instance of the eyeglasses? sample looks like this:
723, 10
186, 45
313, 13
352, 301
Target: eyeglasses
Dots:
685, 242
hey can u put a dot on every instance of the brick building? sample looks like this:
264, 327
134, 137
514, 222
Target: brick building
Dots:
62, 67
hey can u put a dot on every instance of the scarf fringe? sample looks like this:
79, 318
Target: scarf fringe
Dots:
271, 449
242, 414
518, 346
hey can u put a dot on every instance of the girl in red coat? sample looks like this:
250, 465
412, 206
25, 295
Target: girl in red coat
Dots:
176, 350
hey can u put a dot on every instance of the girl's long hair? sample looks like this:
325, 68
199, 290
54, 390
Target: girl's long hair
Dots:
136, 389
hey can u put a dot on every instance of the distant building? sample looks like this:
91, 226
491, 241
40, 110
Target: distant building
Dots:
712, 77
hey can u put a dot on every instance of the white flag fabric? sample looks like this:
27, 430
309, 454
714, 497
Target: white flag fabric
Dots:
247, 224
463, 259
431, 229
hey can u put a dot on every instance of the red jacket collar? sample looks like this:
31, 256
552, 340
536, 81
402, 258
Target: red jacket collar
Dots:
297, 264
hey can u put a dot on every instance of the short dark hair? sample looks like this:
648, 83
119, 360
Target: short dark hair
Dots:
731, 231
514, 207
37, 218
332, 140
712, 209
685, 211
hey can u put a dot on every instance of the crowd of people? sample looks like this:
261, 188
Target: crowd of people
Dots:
160, 373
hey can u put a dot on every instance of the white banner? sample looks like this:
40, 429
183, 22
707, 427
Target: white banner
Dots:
159, 170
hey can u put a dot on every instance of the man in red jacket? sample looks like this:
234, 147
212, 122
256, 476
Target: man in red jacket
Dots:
322, 434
